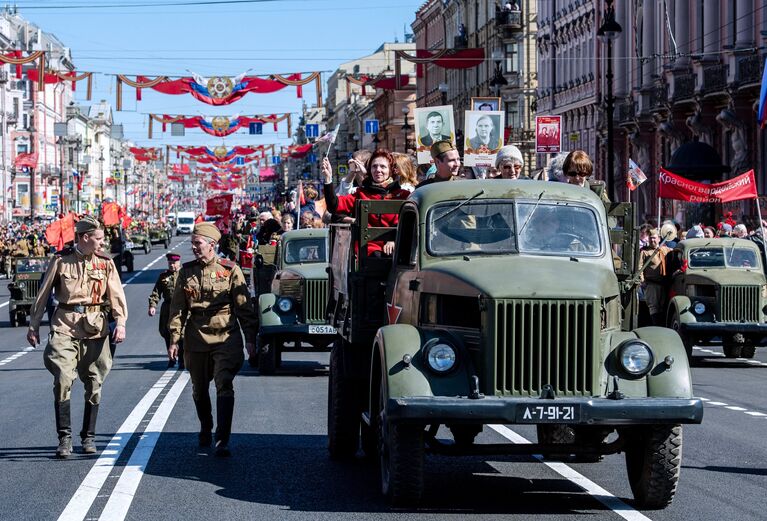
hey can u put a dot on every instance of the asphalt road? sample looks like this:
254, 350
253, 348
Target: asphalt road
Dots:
149, 466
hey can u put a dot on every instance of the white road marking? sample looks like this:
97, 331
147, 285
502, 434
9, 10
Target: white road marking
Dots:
16, 356
755, 413
733, 408
82, 500
122, 496
594, 490
717, 354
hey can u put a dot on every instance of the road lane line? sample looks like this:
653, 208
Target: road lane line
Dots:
83, 499
735, 408
594, 490
16, 356
125, 490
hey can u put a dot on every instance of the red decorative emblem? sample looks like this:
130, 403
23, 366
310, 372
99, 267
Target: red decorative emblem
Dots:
394, 312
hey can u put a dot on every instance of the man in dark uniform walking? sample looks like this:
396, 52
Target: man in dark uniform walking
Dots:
87, 285
211, 309
163, 290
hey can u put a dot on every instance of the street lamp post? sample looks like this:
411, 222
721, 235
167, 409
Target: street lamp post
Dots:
101, 171
609, 31
406, 127
31, 130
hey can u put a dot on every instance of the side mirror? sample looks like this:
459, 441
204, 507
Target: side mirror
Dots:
259, 262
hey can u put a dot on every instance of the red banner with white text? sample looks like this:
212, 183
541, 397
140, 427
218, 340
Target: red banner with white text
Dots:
672, 186
219, 205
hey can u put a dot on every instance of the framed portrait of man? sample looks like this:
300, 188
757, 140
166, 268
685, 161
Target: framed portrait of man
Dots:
548, 135
483, 131
433, 124
490, 104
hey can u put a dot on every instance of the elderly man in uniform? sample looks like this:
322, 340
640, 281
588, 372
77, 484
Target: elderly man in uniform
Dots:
163, 290
87, 285
654, 277
210, 306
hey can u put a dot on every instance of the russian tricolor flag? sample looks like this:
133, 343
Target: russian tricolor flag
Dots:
761, 114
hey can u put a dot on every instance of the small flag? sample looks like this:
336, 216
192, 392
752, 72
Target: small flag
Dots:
635, 176
330, 137
761, 114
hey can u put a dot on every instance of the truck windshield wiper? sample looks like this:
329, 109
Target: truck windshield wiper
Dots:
540, 196
463, 203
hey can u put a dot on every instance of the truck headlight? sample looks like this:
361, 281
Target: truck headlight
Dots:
699, 308
440, 356
284, 304
635, 358
20, 285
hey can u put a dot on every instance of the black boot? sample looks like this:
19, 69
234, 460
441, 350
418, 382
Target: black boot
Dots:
205, 415
181, 365
63, 429
88, 434
224, 411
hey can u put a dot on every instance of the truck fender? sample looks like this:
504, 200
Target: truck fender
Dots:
681, 304
393, 342
664, 381
266, 314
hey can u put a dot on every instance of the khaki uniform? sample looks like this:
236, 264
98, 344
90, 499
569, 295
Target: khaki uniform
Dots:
654, 277
163, 290
38, 250
86, 287
210, 306
21, 249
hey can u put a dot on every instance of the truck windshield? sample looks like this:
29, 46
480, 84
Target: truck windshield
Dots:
31, 265
186, 220
489, 227
721, 257
303, 251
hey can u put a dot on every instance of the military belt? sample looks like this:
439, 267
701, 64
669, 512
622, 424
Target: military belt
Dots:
207, 312
83, 308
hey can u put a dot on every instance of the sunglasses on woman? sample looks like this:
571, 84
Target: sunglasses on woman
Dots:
572, 173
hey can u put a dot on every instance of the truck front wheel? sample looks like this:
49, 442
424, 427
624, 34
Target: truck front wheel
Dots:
267, 358
401, 449
653, 462
343, 413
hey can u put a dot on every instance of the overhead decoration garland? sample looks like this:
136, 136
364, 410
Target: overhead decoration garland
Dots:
445, 58
17, 58
146, 154
53, 77
218, 90
218, 126
377, 82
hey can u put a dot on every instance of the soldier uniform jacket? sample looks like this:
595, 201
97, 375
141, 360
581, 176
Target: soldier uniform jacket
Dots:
656, 270
208, 302
163, 290
79, 280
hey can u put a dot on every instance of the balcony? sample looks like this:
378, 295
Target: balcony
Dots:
749, 70
659, 96
684, 87
508, 23
715, 78
626, 112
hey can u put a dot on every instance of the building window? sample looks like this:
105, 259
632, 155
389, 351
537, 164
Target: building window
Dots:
512, 57
512, 114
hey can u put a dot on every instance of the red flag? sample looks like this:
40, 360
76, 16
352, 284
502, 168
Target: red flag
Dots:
672, 186
53, 234
68, 228
219, 205
110, 214
28, 160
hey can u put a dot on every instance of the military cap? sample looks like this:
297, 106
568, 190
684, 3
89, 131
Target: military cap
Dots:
173, 256
87, 224
440, 147
207, 229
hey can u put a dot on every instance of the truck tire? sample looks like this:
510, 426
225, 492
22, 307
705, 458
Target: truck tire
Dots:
12, 318
147, 247
653, 462
267, 361
343, 413
401, 450
129, 263
166, 243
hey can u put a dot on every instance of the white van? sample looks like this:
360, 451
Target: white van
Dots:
184, 222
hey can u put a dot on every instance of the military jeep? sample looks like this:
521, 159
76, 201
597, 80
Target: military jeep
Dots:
138, 240
718, 295
159, 235
505, 302
28, 274
293, 312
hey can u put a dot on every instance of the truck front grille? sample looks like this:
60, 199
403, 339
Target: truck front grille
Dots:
739, 304
539, 342
315, 300
31, 289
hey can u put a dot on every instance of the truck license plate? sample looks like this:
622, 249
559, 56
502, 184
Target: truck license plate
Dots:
322, 330
548, 413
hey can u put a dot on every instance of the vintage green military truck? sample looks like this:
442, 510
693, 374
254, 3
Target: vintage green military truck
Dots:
505, 302
718, 295
159, 234
28, 274
293, 312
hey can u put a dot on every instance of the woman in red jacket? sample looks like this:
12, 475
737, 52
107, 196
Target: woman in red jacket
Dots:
380, 183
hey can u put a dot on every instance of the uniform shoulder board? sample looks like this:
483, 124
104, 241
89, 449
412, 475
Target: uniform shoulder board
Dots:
226, 263
66, 251
189, 264
103, 255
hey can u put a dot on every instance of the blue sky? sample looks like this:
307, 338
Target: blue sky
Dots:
266, 36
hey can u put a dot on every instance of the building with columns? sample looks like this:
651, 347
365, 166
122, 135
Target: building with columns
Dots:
685, 70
